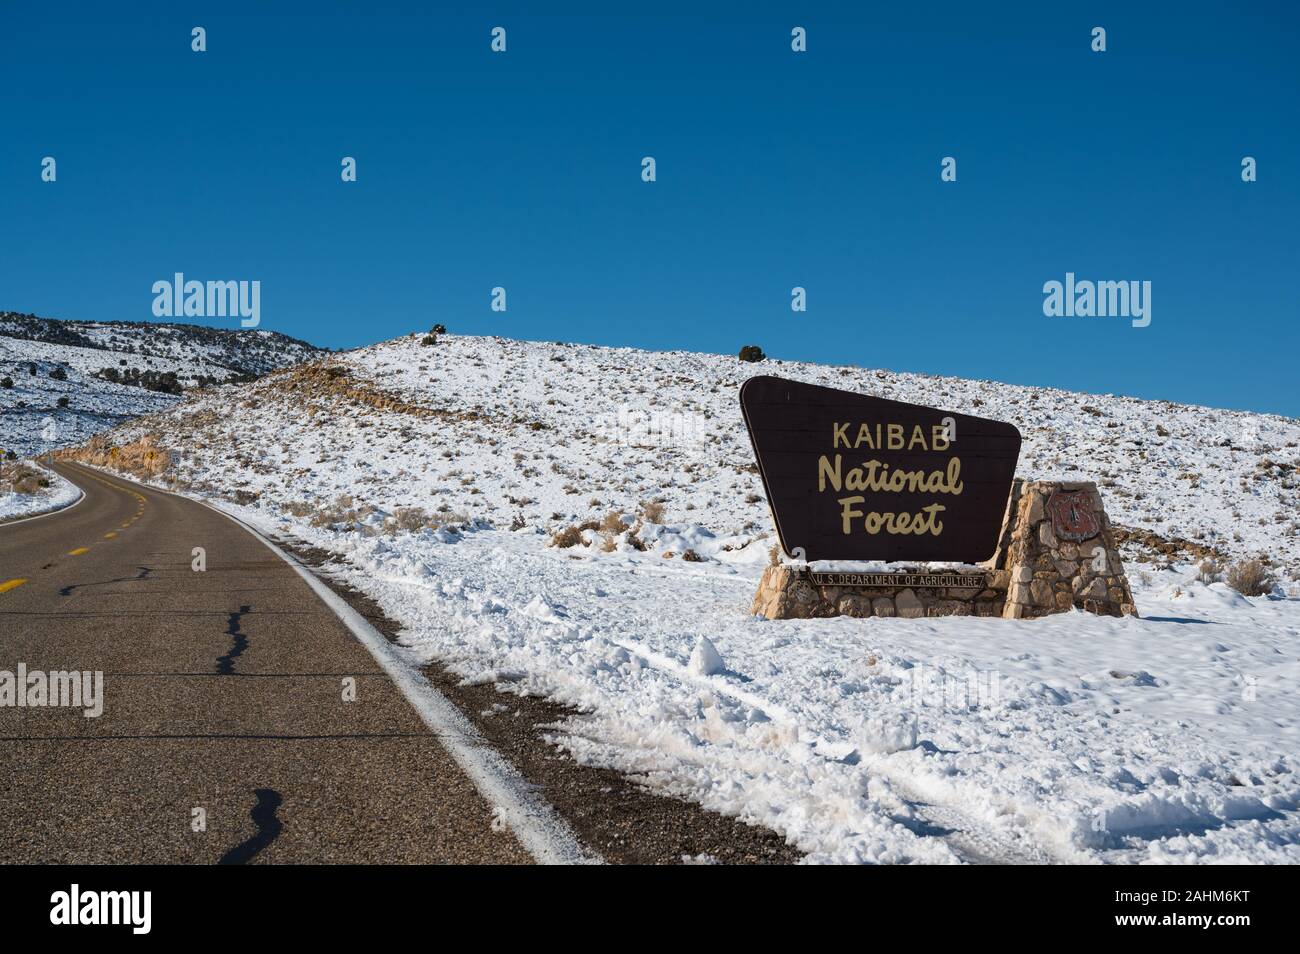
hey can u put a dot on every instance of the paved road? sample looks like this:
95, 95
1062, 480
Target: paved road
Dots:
223, 692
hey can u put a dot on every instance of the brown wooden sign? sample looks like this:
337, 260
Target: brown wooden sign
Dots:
853, 477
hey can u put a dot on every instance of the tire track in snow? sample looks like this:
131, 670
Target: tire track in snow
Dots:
968, 838
973, 841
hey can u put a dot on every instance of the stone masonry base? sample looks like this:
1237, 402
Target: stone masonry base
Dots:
1056, 552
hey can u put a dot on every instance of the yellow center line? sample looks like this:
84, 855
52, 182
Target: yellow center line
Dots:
141, 500
8, 585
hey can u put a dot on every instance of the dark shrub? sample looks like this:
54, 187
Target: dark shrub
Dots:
752, 353
166, 383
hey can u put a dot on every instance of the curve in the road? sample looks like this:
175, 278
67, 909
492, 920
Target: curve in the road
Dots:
108, 586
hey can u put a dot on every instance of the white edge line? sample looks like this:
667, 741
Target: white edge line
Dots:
542, 832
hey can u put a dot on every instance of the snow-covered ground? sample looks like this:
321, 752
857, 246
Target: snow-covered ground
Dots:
58, 494
43, 362
1171, 738
1174, 737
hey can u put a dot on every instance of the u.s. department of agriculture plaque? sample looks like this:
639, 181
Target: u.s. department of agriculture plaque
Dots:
853, 477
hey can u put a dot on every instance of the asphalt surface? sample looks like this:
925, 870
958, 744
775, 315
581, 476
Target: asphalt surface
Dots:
223, 692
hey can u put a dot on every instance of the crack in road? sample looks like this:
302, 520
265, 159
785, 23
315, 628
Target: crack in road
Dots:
268, 828
226, 663
142, 575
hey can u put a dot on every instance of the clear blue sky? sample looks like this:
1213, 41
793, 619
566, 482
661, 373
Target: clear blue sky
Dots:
775, 169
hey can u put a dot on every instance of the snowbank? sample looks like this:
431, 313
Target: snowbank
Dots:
1174, 737
59, 494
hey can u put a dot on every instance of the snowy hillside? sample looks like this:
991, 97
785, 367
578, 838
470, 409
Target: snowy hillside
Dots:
196, 350
109, 372
549, 434
442, 473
